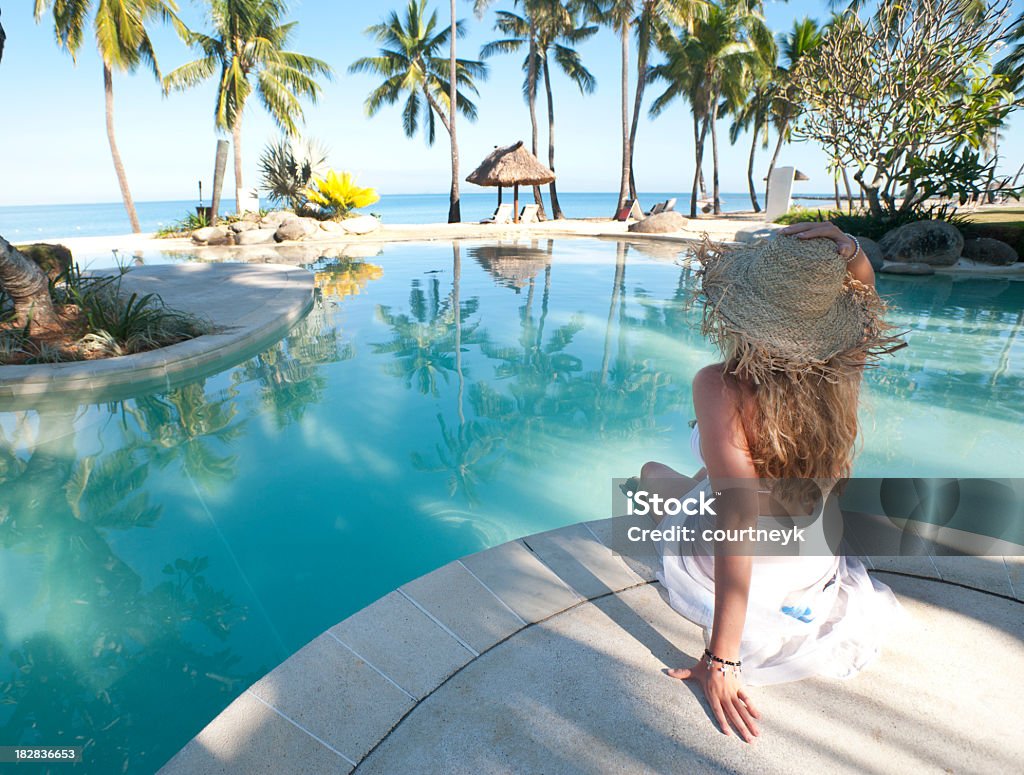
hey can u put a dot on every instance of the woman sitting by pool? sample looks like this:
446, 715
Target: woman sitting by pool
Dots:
797, 319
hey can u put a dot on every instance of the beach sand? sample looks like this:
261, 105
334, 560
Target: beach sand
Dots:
723, 228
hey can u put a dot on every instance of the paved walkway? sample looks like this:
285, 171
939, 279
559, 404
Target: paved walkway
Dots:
250, 305
547, 655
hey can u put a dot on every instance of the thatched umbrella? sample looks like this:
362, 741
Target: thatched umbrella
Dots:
513, 166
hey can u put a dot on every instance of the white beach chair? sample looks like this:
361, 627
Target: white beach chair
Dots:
502, 215
529, 214
670, 205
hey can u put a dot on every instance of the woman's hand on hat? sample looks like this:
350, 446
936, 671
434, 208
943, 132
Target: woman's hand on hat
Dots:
846, 245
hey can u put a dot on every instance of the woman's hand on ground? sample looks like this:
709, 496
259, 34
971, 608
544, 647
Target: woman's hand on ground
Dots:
724, 693
823, 229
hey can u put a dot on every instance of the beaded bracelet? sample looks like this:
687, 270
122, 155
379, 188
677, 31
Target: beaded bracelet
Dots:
711, 659
856, 244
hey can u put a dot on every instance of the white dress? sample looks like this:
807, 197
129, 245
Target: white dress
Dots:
806, 615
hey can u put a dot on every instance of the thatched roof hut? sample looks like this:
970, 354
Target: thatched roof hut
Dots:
510, 166
513, 166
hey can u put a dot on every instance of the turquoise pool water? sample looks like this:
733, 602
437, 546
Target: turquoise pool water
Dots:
159, 554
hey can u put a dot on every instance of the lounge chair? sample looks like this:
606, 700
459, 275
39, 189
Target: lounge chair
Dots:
670, 205
631, 209
657, 208
529, 214
502, 215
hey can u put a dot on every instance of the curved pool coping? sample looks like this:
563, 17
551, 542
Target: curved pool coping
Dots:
335, 701
250, 305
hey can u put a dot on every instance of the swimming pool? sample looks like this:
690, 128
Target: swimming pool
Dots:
159, 554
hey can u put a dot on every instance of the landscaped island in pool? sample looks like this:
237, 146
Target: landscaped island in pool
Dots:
159, 554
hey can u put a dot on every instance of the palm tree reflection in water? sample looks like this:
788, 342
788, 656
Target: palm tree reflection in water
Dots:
82, 673
550, 398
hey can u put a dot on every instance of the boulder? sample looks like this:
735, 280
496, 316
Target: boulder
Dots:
54, 260
240, 226
986, 250
361, 224
296, 228
873, 251
255, 237
275, 217
924, 242
662, 223
211, 235
332, 227
899, 267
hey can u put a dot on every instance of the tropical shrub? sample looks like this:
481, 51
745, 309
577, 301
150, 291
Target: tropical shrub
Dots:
287, 167
864, 224
336, 195
907, 96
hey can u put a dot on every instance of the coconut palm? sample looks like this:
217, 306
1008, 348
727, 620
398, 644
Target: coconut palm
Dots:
27, 286
123, 42
805, 36
650, 19
752, 110
247, 52
548, 29
410, 63
753, 114
713, 61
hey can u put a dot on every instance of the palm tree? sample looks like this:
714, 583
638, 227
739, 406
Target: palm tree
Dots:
123, 43
549, 30
522, 31
751, 109
246, 52
27, 286
618, 16
650, 19
411, 65
805, 36
752, 113
703, 66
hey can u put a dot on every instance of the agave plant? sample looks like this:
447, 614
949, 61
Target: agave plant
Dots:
337, 194
287, 167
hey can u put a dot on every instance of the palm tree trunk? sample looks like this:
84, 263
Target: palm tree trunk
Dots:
531, 76
28, 287
638, 101
236, 140
122, 178
699, 132
454, 203
626, 154
775, 158
750, 166
556, 208
714, 158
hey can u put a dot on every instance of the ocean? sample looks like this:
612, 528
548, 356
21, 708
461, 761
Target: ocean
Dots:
36, 222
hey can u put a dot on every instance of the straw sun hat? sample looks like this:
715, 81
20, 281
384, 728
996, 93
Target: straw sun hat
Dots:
789, 305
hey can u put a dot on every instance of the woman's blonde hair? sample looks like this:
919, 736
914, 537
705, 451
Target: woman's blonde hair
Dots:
800, 426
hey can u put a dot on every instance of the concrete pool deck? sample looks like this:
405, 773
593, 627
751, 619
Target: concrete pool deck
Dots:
547, 654
249, 305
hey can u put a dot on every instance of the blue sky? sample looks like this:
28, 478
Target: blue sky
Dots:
54, 147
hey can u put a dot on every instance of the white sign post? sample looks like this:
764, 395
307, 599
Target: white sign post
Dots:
780, 192
248, 200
